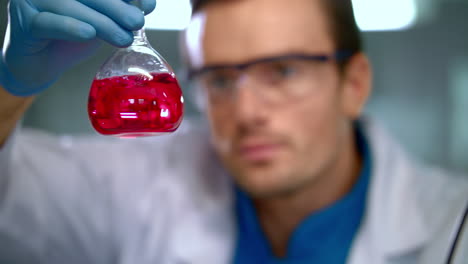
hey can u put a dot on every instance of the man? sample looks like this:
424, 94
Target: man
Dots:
288, 173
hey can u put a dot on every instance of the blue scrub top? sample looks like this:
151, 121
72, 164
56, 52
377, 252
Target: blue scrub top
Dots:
325, 237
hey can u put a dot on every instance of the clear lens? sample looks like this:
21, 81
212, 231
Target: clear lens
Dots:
274, 80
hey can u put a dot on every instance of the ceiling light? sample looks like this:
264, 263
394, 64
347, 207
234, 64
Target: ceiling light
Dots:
170, 15
371, 15
380, 15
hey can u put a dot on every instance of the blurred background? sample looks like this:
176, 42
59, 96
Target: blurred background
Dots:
419, 50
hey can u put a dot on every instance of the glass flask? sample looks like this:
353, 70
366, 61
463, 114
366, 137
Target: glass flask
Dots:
135, 93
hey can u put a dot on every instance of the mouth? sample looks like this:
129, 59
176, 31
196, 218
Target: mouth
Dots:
259, 152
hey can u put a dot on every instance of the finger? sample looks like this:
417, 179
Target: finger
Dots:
106, 28
148, 6
46, 25
127, 16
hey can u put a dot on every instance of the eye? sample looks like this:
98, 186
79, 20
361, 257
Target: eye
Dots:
219, 82
283, 70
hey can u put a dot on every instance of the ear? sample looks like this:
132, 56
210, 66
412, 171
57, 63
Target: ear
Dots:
357, 85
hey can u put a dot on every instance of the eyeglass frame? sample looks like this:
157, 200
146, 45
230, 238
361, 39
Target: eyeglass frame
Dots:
338, 56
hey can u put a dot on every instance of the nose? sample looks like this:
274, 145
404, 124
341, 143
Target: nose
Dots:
249, 109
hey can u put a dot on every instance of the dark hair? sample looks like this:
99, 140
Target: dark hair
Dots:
343, 25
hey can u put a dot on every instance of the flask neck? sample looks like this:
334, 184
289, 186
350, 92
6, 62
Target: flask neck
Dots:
139, 37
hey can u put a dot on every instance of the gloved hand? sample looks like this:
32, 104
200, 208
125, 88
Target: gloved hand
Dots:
44, 38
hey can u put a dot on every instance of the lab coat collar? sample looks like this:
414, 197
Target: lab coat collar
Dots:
394, 220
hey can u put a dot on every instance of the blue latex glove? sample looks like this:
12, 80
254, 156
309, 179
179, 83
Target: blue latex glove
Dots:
47, 37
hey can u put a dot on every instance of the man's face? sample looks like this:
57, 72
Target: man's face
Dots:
272, 149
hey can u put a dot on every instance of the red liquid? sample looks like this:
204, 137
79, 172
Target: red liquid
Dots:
136, 105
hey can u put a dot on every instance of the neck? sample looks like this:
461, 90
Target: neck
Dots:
279, 216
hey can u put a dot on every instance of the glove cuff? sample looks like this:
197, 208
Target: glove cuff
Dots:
15, 87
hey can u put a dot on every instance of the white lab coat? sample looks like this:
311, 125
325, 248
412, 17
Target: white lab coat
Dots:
168, 200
